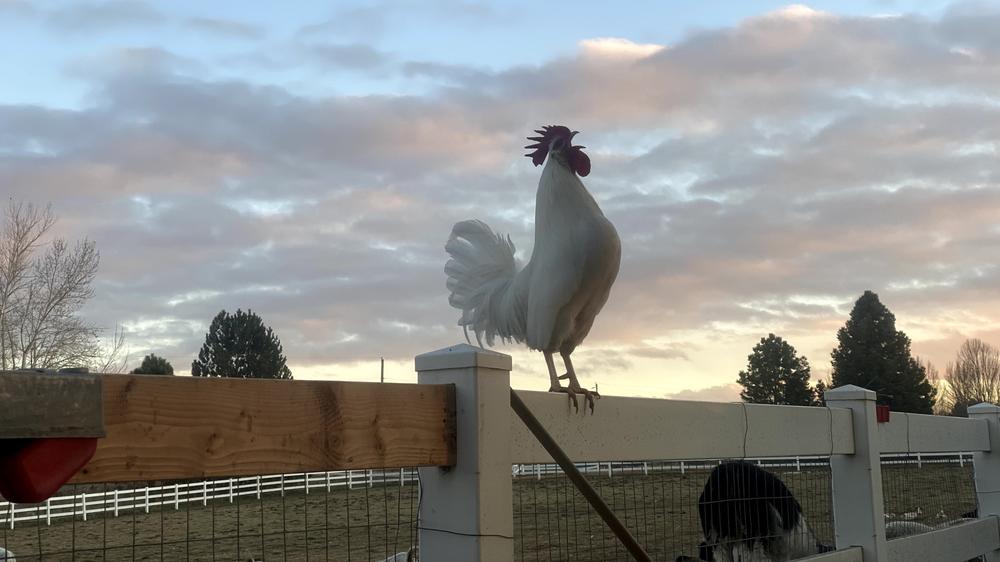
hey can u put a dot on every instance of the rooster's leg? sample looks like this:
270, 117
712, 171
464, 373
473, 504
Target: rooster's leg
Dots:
556, 387
574, 384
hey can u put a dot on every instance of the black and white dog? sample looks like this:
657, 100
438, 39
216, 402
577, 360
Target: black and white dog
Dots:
749, 515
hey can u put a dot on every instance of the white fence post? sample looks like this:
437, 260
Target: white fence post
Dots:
856, 479
83, 499
466, 512
986, 467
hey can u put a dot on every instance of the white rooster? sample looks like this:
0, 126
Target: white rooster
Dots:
551, 302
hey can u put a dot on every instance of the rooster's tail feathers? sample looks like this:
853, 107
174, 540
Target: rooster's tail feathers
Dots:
481, 275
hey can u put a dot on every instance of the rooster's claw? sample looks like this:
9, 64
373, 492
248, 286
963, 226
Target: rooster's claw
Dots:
589, 396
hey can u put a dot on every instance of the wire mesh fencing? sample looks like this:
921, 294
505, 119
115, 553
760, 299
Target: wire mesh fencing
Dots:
922, 493
350, 516
371, 515
657, 502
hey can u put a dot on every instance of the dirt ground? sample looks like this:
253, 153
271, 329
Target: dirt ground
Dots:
552, 522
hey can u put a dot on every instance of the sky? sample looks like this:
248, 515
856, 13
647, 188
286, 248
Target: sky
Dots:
764, 164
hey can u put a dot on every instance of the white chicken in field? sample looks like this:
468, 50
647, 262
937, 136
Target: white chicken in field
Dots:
549, 304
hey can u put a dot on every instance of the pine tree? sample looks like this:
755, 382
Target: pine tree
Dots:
240, 346
821, 388
153, 365
775, 374
873, 354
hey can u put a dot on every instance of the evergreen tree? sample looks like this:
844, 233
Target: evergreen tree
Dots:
240, 346
775, 374
821, 388
153, 365
873, 354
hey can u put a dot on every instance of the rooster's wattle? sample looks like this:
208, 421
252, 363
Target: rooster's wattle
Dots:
551, 302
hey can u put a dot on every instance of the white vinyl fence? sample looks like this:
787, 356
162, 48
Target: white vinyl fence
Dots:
625, 467
466, 512
116, 502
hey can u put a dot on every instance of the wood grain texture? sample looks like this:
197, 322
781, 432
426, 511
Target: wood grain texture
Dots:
163, 427
50, 405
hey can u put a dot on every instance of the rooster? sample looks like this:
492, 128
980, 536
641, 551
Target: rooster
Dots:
551, 303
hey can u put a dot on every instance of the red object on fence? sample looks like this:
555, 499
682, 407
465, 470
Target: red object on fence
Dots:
881, 413
31, 470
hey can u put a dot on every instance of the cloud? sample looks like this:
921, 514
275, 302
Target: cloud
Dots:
617, 48
226, 28
761, 177
21, 8
720, 393
98, 16
352, 56
374, 19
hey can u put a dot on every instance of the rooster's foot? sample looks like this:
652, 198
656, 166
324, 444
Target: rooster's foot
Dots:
572, 390
589, 396
572, 394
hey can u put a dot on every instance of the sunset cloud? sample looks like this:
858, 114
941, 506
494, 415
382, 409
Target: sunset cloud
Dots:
762, 175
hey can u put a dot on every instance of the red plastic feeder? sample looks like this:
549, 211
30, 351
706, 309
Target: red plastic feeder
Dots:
51, 424
31, 470
881, 413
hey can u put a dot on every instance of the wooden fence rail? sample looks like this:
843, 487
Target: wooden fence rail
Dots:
172, 427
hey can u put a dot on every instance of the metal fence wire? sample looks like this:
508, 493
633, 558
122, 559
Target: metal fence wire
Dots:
336, 516
923, 492
371, 515
657, 501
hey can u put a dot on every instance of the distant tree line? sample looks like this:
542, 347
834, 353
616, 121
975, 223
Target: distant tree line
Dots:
871, 353
236, 346
44, 283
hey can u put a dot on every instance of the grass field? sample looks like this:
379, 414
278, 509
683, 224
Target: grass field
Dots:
551, 520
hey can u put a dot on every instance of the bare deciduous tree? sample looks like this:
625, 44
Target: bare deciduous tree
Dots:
941, 407
974, 377
43, 286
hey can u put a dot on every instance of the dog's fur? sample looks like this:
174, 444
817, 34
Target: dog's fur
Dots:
749, 515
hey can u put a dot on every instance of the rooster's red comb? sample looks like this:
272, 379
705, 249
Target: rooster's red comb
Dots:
578, 161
